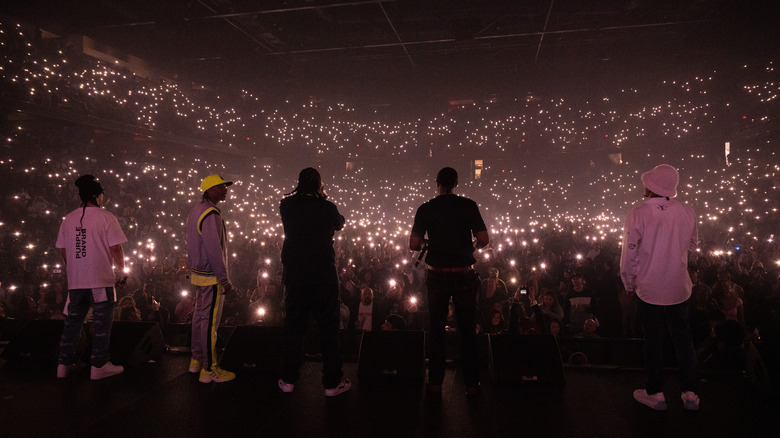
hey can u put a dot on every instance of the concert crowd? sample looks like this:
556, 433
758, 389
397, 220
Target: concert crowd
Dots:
554, 176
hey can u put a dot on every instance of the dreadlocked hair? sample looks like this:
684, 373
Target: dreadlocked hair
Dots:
89, 190
309, 183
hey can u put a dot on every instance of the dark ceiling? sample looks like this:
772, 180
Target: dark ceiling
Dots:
414, 51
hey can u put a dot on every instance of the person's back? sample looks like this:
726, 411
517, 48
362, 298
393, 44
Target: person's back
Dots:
660, 264
311, 282
309, 224
90, 241
204, 251
449, 220
89, 264
657, 236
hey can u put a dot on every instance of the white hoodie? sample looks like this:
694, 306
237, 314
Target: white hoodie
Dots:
657, 236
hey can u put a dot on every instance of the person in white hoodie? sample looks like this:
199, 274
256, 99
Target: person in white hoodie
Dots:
657, 236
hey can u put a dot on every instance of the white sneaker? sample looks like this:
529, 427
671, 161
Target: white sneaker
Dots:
344, 386
286, 387
64, 371
690, 400
655, 401
107, 370
195, 366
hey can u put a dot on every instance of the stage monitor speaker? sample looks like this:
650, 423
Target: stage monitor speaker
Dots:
626, 352
39, 340
392, 354
253, 348
453, 348
349, 344
178, 337
525, 359
135, 343
10, 327
585, 351
350, 340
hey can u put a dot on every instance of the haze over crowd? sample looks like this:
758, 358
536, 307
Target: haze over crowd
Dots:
553, 174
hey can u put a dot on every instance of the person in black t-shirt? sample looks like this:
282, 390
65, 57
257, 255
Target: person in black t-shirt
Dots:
310, 281
577, 305
451, 222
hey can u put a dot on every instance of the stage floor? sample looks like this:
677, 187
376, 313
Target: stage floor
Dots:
163, 400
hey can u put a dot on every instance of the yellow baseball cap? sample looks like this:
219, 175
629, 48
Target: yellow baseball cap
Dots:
211, 181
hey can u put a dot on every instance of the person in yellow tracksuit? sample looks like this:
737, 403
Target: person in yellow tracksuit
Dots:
207, 253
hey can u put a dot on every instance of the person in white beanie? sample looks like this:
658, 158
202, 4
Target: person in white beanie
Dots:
657, 236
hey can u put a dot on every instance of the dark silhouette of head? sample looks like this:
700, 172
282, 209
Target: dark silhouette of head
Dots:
89, 188
447, 178
309, 183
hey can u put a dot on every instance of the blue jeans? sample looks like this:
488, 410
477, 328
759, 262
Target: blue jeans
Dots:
463, 289
320, 300
102, 319
654, 319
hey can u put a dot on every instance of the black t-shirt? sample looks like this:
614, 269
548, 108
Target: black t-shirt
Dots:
450, 221
577, 307
307, 253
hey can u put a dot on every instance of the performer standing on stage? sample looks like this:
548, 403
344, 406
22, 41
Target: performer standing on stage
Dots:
451, 223
90, 240
310, 281
208, 258
657, 236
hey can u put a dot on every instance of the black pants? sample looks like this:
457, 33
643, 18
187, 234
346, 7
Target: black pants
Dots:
322, 302
654, 318
462, 288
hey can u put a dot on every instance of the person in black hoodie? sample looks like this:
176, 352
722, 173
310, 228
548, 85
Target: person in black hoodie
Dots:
310, 281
